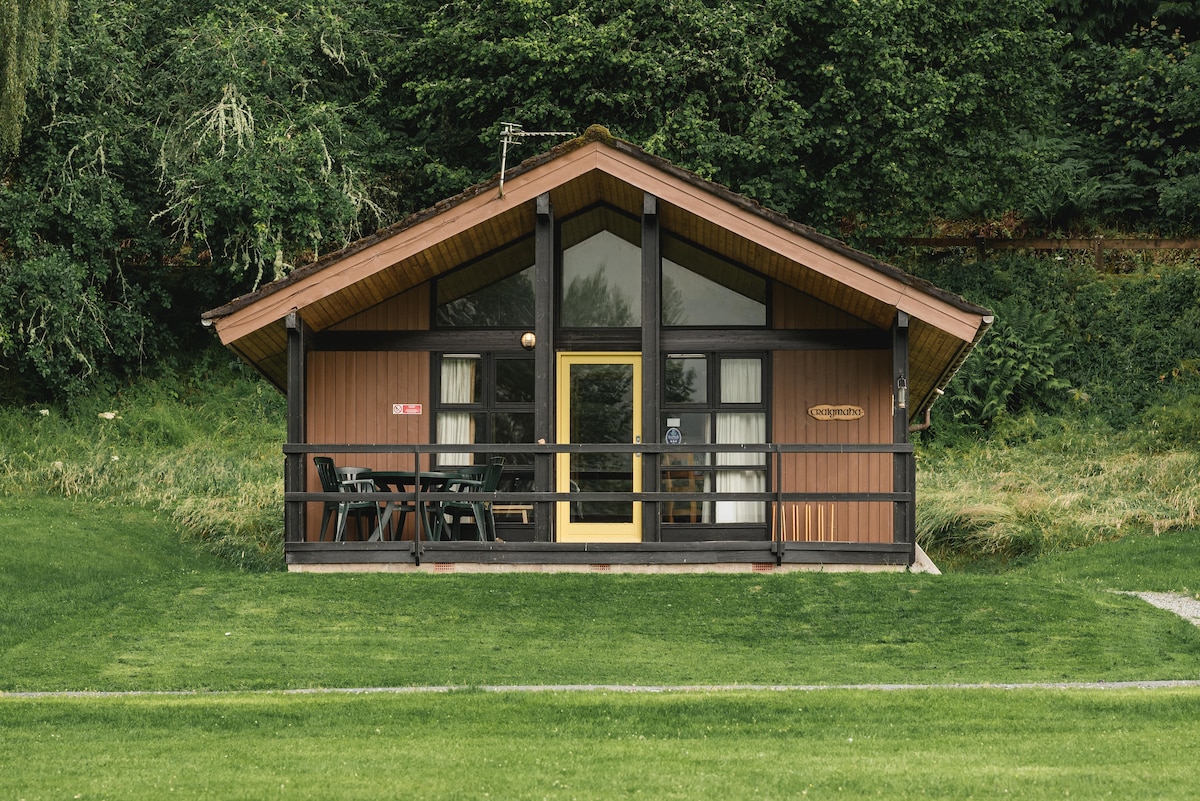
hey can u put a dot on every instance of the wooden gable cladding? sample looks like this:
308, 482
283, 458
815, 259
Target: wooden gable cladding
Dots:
408, 311
595, 186
419, 268
591, 170
933, 358
794, 309
266, 350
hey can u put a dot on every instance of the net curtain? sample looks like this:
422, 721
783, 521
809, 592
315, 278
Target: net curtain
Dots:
741, 382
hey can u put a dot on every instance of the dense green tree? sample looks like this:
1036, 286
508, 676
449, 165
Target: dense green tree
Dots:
918, 108
79, 296
177, 157
1109, 21
880, 112
266, 123
1134, 106
180, 153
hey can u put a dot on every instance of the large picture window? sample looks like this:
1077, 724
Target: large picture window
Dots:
495, 291
714, 398
601, 270
703, 290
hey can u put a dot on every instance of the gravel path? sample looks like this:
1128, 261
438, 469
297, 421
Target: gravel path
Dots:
1185, 606
632, 689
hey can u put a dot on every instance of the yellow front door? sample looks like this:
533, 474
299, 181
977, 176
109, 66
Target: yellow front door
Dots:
599, 402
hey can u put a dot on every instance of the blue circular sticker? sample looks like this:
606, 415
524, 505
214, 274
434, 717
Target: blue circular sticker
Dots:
674, 437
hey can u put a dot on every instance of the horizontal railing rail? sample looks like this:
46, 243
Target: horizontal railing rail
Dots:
772, 464
611, 447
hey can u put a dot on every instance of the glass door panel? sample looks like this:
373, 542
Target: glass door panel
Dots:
599, 404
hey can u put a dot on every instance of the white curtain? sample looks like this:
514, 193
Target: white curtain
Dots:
457, 428
741, 382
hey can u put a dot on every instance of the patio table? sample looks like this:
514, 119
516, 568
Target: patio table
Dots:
407, 481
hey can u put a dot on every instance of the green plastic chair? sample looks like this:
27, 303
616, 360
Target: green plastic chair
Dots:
344, 510
453, 511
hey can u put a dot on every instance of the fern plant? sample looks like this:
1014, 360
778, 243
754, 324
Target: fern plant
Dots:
1013, 369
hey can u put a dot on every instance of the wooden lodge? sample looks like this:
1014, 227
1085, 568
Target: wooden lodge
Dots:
673, 376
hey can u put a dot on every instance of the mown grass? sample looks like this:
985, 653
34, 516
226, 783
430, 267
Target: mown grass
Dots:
98, 597
569, 745
148, 618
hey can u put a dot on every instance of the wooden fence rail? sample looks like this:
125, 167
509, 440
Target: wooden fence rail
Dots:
1098, 245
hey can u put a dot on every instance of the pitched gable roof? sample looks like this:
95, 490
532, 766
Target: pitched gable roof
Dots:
598, 167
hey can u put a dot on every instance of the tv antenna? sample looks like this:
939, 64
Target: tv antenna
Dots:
512, 133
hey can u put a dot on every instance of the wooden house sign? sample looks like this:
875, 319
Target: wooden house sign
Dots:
829, 412
641, 350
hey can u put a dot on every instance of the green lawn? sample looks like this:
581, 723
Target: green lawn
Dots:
96, 598
727, 745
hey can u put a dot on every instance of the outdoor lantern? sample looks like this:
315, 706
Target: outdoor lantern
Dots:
528, 340
901, 393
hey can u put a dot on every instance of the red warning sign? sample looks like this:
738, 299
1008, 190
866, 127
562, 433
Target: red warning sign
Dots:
406, 408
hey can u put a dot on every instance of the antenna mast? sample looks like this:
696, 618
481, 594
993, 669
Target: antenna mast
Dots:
512, 133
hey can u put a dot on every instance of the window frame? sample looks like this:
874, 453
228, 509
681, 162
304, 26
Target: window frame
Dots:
712, 408
486, 406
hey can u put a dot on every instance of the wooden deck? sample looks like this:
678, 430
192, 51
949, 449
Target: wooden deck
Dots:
650, 557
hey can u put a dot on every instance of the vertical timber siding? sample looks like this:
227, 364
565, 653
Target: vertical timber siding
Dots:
350, 395
803, 379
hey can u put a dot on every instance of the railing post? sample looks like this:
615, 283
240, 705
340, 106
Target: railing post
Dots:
903, 467
777, 529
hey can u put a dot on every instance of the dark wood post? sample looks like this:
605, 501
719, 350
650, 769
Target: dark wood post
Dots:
651, 362
903, 464
543, 397
295, 474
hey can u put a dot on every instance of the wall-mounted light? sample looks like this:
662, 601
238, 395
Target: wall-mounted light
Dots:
901, 392
528, 340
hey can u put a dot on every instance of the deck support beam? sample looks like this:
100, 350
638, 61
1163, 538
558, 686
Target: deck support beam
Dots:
295, 474
651, 363
544, 427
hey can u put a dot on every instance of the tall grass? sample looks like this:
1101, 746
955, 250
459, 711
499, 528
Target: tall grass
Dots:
1047, 484
204, 448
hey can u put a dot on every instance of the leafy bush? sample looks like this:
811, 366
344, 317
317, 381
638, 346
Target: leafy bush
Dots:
1112, 343
1132, 332
63, 326
1174, 421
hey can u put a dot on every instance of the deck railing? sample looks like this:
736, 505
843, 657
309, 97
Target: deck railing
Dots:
422, 458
